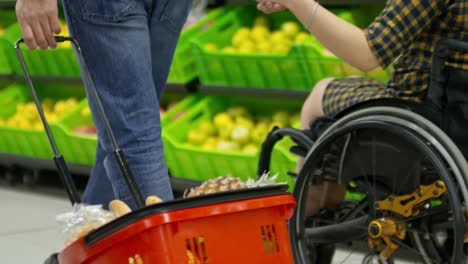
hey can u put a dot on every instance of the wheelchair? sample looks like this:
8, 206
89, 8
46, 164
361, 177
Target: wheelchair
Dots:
404, 167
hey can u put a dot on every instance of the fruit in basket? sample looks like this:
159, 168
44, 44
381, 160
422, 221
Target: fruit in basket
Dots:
240, 134
264, 47
241, 35
245, 121
119, 208
278, 37
221, 119
237, 130
260, 133
282, 48
195, 137
27, 117
291, 29
247, 47
227, 146
259, 33
261, 38
301, 37
153, 199
207, 128
219, 184
210, 144
230, 183
225, 131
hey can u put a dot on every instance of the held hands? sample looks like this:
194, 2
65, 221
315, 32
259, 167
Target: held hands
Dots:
271, 6
39, 21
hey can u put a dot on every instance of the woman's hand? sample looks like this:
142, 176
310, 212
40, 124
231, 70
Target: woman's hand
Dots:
39, 21
270, 6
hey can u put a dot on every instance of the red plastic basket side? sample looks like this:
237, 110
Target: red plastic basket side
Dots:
251, 231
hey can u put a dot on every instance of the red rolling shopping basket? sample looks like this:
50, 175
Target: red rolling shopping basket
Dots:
238, 227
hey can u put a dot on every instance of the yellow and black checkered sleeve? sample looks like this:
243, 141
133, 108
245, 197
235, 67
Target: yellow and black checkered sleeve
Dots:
398, 25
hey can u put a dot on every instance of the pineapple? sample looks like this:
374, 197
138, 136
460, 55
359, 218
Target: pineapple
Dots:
220, 184
229, 183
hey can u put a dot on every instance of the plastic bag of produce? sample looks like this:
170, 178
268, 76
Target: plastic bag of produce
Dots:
81, 220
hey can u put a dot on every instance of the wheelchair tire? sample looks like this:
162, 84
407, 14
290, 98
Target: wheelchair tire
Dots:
419, 135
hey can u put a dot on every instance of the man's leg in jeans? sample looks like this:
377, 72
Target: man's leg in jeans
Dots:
99, 189
114, 37
166, 22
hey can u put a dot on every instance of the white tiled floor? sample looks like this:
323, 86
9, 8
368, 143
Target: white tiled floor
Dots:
29, 233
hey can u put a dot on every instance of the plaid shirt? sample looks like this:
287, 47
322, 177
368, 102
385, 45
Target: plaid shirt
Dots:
406, 33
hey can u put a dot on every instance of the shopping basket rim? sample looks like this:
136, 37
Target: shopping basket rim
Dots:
182, 204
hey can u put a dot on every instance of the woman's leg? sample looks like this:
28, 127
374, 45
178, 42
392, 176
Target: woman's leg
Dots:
329, 194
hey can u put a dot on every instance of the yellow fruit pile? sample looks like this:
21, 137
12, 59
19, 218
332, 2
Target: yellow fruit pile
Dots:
26, 115
237, 130
262, 39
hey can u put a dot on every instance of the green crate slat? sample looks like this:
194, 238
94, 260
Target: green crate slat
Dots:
198, 164
5, 66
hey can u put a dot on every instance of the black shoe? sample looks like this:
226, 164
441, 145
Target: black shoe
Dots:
53, 259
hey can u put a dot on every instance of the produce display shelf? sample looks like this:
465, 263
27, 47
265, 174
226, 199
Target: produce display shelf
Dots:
179, 184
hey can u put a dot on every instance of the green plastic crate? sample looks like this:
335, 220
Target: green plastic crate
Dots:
183, 68
75, 148
289, 71
301, 69
5, 67
185, 103
81, 148
28, 142
53, 62
197, 164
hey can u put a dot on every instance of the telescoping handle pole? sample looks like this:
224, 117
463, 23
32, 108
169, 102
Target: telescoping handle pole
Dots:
58, 159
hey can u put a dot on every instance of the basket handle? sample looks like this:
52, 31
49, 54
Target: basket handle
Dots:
58, 159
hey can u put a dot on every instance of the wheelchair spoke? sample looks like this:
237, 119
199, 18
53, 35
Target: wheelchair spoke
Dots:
397, 241
374, 174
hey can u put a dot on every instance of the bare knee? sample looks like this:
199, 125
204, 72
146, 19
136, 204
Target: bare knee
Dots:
312, 107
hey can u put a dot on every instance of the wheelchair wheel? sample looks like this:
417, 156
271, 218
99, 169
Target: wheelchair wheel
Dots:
405, 198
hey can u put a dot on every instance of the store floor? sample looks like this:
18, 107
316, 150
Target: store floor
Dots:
29, 233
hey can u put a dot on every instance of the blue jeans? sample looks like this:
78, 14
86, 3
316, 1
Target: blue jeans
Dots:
128, 46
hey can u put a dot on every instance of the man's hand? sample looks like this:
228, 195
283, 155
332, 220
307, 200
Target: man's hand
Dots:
39, 21
267, 6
